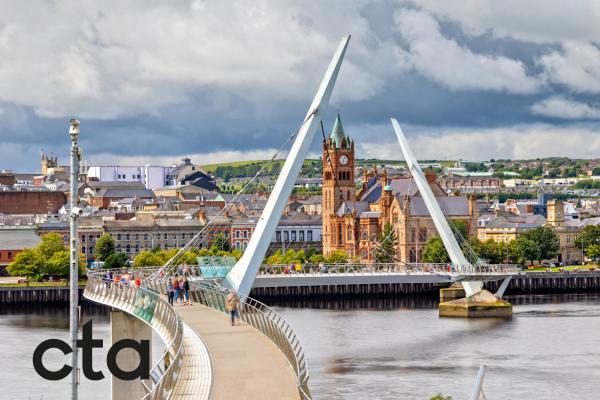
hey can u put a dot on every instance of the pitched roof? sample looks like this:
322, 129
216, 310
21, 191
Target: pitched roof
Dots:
347, 207
125, 193
450, 205
18, 240
115, 185
400, 187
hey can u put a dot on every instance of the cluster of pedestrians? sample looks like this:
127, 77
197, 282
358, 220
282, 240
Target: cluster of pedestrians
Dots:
179, 289
123, 277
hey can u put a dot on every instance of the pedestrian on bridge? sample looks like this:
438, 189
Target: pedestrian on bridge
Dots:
181, 289
232, 305
186, 288
175, 288
171, 291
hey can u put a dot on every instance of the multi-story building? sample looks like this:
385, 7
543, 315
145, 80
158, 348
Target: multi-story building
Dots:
151, 176
352, 221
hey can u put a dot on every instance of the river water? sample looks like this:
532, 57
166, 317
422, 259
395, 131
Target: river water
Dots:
374, 348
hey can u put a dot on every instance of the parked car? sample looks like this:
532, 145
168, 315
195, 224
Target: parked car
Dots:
559, 264
521, 267
548, 265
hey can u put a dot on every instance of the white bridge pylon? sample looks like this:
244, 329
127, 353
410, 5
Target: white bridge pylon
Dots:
439, 219
242, 276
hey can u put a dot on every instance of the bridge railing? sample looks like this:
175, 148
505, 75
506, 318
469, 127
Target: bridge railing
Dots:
265, 320
252, 312
291, 270
164, 320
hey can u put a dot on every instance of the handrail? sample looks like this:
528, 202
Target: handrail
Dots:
165, 321
252, 312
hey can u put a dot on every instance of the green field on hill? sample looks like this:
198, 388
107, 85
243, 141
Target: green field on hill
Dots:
357, 162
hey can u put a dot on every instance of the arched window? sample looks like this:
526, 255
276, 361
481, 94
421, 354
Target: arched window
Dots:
237, 234
244, 245
245, 234
395, 216
226, 233
340, 238
364, 235
128, 249
348, 195
10, 254
413, 255
83, 250
91, 253
339, 228
91, 238
82, 238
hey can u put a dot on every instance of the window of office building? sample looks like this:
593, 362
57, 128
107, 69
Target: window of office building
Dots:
82, 238
245, 234
301, 236
145, 236
286, 236
309, 236
568, 239
118, 236
237, 234
128, 236
166, 236
137, 248
278, 236
293, 236
128, 249
423, 235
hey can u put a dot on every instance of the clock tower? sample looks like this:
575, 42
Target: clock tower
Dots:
338, 180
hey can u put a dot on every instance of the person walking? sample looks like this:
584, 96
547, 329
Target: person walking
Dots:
107, 279
175, 288
181, 289
186, 287
232, 305
180, 270
171, 291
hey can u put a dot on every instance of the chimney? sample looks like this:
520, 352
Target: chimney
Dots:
529, 208
226, 213
430, 176
201, 215
487, 200
473, 205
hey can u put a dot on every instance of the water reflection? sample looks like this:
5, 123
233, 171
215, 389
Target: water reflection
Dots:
356, 303
24, 328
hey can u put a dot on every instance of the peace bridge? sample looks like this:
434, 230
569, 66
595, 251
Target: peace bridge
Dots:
262, 357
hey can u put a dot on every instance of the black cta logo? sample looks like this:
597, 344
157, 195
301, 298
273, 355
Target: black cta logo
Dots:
87, 344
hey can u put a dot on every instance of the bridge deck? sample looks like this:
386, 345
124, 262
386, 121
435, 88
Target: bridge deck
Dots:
246, 365
196, 380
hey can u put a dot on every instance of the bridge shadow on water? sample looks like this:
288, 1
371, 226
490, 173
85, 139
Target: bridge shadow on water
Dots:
386, 302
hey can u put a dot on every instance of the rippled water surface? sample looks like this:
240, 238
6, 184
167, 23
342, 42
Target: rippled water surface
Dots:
386, 348
401, 349
22, 330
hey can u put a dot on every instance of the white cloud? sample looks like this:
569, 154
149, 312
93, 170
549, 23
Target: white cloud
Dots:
577, 67
543, 21
514, 142
451, 65
112, 59
565, 109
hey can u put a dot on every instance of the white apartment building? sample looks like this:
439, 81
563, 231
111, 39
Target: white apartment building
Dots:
152, 176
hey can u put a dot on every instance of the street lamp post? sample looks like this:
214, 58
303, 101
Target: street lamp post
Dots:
74, 285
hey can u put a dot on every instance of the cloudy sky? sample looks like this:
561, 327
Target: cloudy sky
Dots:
154, 81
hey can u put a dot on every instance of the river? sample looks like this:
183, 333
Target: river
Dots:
375, 348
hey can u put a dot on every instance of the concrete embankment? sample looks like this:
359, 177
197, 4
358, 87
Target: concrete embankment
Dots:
531, 283
37, 295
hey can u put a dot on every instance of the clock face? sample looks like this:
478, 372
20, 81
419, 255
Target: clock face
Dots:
344, 160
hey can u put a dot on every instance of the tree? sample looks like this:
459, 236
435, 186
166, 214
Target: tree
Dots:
388, 244
593, 251
312, 251
116, 261
460, 230
28, 263
221, 242
51, 243
317, 258
337, 257
105, 247
60, 264
596, 171
590, 235
435, 251
545, 239
156, 249
523, 250
440, 397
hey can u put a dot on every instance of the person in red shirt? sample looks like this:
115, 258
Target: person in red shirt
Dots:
137, 281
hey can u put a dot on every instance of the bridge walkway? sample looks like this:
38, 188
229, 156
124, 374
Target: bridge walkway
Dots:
196, 378
245, 364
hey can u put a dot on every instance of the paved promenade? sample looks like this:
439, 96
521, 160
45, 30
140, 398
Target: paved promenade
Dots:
246, 365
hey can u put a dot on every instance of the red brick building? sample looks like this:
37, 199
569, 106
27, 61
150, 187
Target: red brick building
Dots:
23, 201
13, 243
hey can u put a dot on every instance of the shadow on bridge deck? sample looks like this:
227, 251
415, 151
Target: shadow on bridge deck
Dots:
246, 365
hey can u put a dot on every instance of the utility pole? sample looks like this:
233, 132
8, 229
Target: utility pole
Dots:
74, 285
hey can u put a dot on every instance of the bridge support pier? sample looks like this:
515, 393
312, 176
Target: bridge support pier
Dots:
126, 326
482, 304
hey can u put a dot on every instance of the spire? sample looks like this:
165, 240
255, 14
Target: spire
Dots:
338, 132
42, 153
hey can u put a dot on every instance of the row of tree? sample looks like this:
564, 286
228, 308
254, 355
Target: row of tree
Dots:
50, 257
540, 243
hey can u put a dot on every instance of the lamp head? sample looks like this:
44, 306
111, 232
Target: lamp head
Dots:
74, 131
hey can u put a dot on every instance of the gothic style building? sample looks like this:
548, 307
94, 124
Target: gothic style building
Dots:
353, 220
